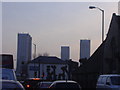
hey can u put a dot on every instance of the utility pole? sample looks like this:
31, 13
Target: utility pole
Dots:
34, 56
102, 62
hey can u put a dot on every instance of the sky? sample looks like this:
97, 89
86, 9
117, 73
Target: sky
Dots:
54, 24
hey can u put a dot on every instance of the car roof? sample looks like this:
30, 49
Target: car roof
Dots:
62, 81
111, 75
9, 81
6, 69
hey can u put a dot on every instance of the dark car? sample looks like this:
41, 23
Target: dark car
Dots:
31, 83
11, 85
65, 84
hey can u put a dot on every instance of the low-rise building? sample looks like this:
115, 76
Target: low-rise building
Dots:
48, 68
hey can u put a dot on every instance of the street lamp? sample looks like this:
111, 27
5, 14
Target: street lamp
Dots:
34, 51
34, 62
93, 7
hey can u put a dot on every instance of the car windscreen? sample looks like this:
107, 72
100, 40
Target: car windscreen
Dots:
7, 74
67, 85
45, 84
115, 80
11, 86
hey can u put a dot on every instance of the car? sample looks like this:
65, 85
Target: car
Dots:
30, 83
7, 74
65, 84
11, 85
44, 84
110, 81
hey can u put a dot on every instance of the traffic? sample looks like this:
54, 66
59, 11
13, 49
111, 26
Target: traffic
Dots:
9, 80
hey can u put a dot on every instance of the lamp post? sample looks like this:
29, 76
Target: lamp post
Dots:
34, 56
93, 7
34, 51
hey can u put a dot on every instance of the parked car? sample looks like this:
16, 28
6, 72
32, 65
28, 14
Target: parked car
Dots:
44, 84
7, 74
11, 85
111, 81
65, 84
31, 83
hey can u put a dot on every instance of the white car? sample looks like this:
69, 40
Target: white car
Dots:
7, 74
111, 81
65, 84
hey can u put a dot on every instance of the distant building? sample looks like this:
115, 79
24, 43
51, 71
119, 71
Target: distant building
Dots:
84, 49
119, 7
65, 53
24, 47
48, 68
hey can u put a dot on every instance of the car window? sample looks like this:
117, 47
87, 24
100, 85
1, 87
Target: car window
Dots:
7, 75
99, 80
103, 81
10, 86
108, 81
67, 85
45, 85
115, 80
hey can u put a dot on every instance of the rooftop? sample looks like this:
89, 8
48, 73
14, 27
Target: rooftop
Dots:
48, 60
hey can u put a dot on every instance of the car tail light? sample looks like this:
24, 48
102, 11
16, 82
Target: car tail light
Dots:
36, 78
28, 86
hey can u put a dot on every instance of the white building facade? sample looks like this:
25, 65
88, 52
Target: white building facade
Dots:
84, 49
48, 68
119, 8
65, 53
24, 50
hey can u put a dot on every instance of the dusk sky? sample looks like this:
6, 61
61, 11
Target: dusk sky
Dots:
54, 24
